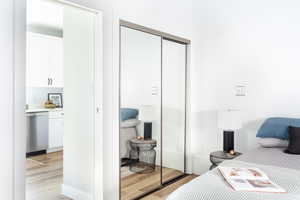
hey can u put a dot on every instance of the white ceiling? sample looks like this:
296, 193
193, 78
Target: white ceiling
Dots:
46, 13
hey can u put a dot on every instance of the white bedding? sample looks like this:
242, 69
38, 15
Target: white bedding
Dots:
283, 169
273, 157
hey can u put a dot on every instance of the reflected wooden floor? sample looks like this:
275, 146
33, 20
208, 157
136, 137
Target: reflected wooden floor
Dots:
133, 185
44, 176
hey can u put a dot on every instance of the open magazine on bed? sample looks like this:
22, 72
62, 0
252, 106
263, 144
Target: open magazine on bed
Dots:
249, 179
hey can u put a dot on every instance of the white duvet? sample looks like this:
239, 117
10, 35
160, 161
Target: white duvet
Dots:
281, 168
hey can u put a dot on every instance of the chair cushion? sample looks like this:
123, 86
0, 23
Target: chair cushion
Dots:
129, 113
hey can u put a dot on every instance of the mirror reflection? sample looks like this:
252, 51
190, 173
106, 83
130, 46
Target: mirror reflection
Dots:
152, 111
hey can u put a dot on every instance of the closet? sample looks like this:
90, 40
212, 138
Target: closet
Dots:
153, 104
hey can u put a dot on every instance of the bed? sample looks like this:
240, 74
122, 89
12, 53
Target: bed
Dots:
281, 168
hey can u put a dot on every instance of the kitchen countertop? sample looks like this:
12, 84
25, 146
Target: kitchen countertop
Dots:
35, 110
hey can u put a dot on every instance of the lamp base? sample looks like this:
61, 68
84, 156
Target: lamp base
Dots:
228, 141
147, 130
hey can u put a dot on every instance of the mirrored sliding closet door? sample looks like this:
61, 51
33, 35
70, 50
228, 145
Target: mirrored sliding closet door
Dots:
152, 110
140, 104
173, 109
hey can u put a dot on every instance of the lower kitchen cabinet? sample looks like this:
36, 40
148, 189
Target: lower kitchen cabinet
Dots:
56, 131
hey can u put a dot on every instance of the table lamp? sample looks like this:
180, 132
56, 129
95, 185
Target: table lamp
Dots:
229, 121
146, 115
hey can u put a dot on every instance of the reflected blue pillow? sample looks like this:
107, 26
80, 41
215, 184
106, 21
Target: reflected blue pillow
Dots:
129, 113
277, 128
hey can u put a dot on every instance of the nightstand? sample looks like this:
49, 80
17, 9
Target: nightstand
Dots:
143, 155
219, 156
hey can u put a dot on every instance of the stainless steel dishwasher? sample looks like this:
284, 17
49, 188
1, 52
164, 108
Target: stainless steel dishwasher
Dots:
37, 132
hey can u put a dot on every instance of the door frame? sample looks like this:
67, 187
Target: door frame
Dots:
19, 134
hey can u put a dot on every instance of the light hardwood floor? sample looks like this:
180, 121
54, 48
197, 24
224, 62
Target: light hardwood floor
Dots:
44, 177
134, 185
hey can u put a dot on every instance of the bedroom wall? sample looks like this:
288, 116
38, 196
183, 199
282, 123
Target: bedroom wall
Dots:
251, 43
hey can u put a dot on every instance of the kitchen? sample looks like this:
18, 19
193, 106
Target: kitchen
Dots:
44, 85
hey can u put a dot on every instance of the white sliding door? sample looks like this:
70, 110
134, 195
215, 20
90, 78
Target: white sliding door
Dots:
79, 104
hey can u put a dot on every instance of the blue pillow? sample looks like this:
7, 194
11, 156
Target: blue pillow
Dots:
277, 128
129, 113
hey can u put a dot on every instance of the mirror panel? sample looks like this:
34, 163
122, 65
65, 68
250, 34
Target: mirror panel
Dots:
140, 101
173, 109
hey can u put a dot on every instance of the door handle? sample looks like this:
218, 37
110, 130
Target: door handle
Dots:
48, 81
97, 110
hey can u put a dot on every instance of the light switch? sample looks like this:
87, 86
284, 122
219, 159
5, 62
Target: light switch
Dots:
240, 90
154, 91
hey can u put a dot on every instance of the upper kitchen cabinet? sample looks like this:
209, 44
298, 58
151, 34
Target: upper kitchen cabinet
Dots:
44, 61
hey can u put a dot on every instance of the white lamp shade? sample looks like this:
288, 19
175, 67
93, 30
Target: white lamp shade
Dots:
229, 120
146, 113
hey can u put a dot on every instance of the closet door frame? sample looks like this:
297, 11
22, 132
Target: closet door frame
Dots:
173, 38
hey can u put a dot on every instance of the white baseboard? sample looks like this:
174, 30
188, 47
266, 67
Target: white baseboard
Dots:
75, 194
55, 149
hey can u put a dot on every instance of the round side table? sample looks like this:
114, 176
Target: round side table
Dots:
142, 156
218, 157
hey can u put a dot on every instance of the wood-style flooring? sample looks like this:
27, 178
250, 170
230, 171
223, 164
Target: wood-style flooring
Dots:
134, 185
44, 177
164, 193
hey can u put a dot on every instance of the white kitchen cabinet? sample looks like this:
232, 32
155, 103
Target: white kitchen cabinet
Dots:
56, 130
44, 61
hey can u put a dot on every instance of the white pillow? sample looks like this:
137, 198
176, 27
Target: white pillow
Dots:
130, 123
272, 142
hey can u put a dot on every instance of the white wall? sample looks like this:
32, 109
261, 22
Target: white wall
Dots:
12, 78
7, 100
253, 43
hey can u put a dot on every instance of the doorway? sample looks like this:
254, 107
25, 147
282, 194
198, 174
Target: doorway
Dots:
63, 74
